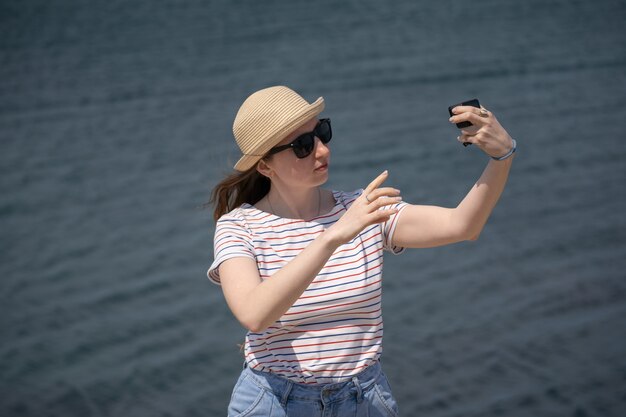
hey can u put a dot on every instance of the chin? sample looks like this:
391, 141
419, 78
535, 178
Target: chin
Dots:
319, 178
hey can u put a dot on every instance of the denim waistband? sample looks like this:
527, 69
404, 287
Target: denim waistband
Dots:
285, 389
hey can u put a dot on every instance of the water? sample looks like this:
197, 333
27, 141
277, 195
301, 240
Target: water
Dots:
115, 122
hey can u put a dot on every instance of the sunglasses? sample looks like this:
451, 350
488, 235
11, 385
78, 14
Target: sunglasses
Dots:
303, 145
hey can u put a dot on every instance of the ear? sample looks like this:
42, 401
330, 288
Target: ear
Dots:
264, 169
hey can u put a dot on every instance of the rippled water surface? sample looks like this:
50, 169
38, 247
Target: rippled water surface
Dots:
115, 122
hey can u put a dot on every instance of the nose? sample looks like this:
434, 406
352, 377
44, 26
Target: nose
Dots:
321, 149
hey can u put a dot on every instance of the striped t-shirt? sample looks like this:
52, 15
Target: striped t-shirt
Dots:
335, 328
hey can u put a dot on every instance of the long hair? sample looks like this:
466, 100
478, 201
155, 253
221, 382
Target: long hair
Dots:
238, 188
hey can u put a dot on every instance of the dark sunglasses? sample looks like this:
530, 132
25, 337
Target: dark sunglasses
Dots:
303, 145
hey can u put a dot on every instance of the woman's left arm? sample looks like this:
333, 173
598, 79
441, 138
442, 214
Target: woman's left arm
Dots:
428, 226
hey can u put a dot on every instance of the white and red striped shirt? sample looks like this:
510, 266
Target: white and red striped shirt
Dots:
335, 328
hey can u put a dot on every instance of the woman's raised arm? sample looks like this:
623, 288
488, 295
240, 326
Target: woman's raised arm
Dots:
428, 226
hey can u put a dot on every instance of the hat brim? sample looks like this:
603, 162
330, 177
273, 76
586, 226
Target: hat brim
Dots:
247, 161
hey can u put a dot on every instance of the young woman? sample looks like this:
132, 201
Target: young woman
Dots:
301, 266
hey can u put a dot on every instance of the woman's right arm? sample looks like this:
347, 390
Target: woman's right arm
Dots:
258, 303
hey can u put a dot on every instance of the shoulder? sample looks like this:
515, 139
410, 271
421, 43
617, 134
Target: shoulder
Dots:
234, 218
347, 197
233, 215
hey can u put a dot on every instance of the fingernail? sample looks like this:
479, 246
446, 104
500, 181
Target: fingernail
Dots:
450, 119
385, 172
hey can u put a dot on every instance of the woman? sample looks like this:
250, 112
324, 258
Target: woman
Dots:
301, 266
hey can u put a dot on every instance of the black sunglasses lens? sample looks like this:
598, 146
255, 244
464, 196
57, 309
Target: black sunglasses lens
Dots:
323, 131
304, 145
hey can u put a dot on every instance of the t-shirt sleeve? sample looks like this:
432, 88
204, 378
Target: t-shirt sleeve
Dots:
389, 227
232, 240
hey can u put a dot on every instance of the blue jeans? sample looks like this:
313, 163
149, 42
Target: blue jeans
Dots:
269, 395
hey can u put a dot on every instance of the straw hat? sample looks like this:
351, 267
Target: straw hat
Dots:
266, 118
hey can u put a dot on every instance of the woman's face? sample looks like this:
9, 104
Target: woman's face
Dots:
310, 171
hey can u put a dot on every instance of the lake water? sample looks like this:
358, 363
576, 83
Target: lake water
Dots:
115, 122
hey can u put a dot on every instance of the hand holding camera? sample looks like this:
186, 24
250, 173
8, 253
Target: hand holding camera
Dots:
480, 127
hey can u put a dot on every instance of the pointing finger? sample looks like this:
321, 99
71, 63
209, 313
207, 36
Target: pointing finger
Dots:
376, 182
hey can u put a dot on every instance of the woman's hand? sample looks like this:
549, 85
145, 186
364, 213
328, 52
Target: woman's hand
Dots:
366, 210
486, 132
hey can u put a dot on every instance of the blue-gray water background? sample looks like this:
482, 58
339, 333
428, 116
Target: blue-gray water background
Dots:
115, 122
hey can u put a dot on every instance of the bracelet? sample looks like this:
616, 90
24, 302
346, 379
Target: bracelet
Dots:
508, 154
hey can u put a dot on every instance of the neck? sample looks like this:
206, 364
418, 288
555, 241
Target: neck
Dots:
295, 204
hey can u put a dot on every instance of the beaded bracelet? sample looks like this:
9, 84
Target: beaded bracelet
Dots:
508, 154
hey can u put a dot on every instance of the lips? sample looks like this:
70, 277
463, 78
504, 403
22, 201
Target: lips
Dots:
321, 167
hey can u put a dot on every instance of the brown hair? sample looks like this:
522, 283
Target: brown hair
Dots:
238, 188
